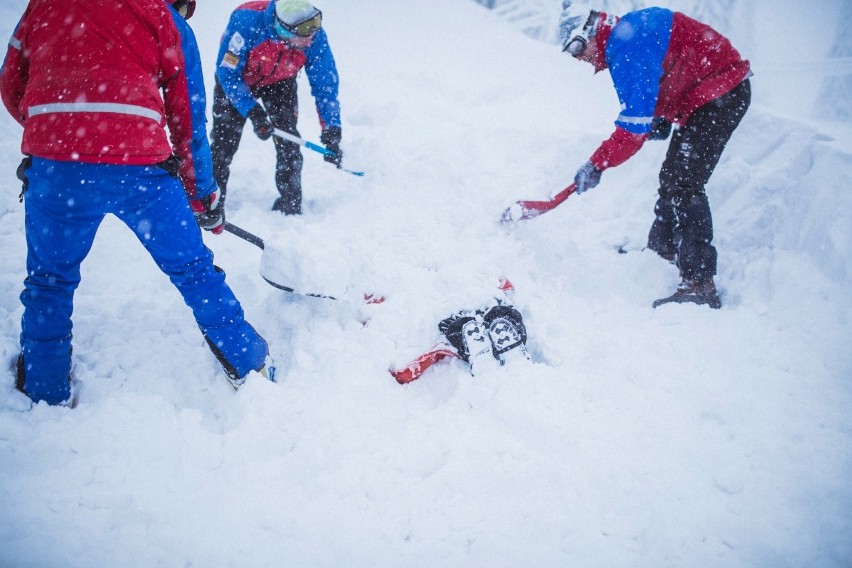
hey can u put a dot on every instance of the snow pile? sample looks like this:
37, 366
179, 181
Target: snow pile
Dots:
681, 436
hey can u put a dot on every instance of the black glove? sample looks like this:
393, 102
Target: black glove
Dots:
587, 177
660, 129
330, 138
209, 212
22, 173
260, 122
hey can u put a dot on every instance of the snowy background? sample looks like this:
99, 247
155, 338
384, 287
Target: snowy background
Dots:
677, 437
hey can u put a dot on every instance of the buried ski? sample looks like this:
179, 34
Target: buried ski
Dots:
485, 338
486, 345
258, 242
415, 368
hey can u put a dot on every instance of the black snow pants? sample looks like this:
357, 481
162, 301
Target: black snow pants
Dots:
683, 227
282, 104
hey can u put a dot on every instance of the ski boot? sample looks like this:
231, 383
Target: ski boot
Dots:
507, 333
468, 334
695, 291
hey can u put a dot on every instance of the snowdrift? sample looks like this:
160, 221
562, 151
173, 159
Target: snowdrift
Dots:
681, 436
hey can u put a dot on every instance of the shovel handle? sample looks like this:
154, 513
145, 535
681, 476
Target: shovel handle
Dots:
245, 235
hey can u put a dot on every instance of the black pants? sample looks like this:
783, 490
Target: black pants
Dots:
683, 224
282, 104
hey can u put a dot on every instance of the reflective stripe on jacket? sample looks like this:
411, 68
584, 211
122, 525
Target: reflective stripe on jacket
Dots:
98, 81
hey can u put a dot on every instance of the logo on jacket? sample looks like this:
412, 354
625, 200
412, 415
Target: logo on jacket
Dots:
231, 58
237, 43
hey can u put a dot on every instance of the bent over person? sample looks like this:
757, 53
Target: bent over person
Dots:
95, 83
266, 44
667, 69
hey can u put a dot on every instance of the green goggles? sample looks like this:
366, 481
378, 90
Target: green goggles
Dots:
303, 28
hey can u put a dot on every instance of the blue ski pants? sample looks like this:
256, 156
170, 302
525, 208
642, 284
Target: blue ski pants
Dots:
64, 206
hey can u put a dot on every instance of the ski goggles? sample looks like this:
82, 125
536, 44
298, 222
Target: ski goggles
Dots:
185, 8
305, 27
578, 44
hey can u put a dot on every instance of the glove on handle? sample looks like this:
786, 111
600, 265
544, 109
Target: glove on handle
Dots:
330, 138
209, 212
660, 129
587, 177
260, 122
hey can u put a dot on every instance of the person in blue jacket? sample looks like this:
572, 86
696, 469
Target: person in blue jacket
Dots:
265, 45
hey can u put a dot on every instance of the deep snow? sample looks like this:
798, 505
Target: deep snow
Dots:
681, 436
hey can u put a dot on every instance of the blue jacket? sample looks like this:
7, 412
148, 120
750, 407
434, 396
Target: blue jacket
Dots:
635, 53
252, 55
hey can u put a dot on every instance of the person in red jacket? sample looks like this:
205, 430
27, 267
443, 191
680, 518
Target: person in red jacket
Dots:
667, 68
95, 84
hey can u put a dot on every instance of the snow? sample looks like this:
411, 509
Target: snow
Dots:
681, 436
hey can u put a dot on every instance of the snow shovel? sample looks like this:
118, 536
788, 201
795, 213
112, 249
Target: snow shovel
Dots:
258, 242
523, 210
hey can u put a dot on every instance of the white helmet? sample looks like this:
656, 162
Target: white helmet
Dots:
577, 24
296, 18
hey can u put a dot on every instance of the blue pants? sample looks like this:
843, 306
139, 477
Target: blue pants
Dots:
65, 204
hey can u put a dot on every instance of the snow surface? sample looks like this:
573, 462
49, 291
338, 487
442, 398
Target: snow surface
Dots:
678, 437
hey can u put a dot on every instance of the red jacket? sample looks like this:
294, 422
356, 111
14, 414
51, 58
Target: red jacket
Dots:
98, 81
664, 65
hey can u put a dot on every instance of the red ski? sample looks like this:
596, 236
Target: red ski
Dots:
523, 210
413, 370
440, 351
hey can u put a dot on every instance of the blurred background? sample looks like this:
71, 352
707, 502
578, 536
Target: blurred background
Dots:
794, 46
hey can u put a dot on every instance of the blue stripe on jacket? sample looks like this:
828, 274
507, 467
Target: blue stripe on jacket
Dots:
635, 53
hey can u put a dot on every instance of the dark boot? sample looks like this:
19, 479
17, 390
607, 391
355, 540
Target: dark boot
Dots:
668, 255
286, 206
19, 374
696, 291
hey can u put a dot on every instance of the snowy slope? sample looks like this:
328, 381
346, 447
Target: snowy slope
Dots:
681, 436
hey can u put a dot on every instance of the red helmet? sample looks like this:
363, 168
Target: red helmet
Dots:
185, 8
